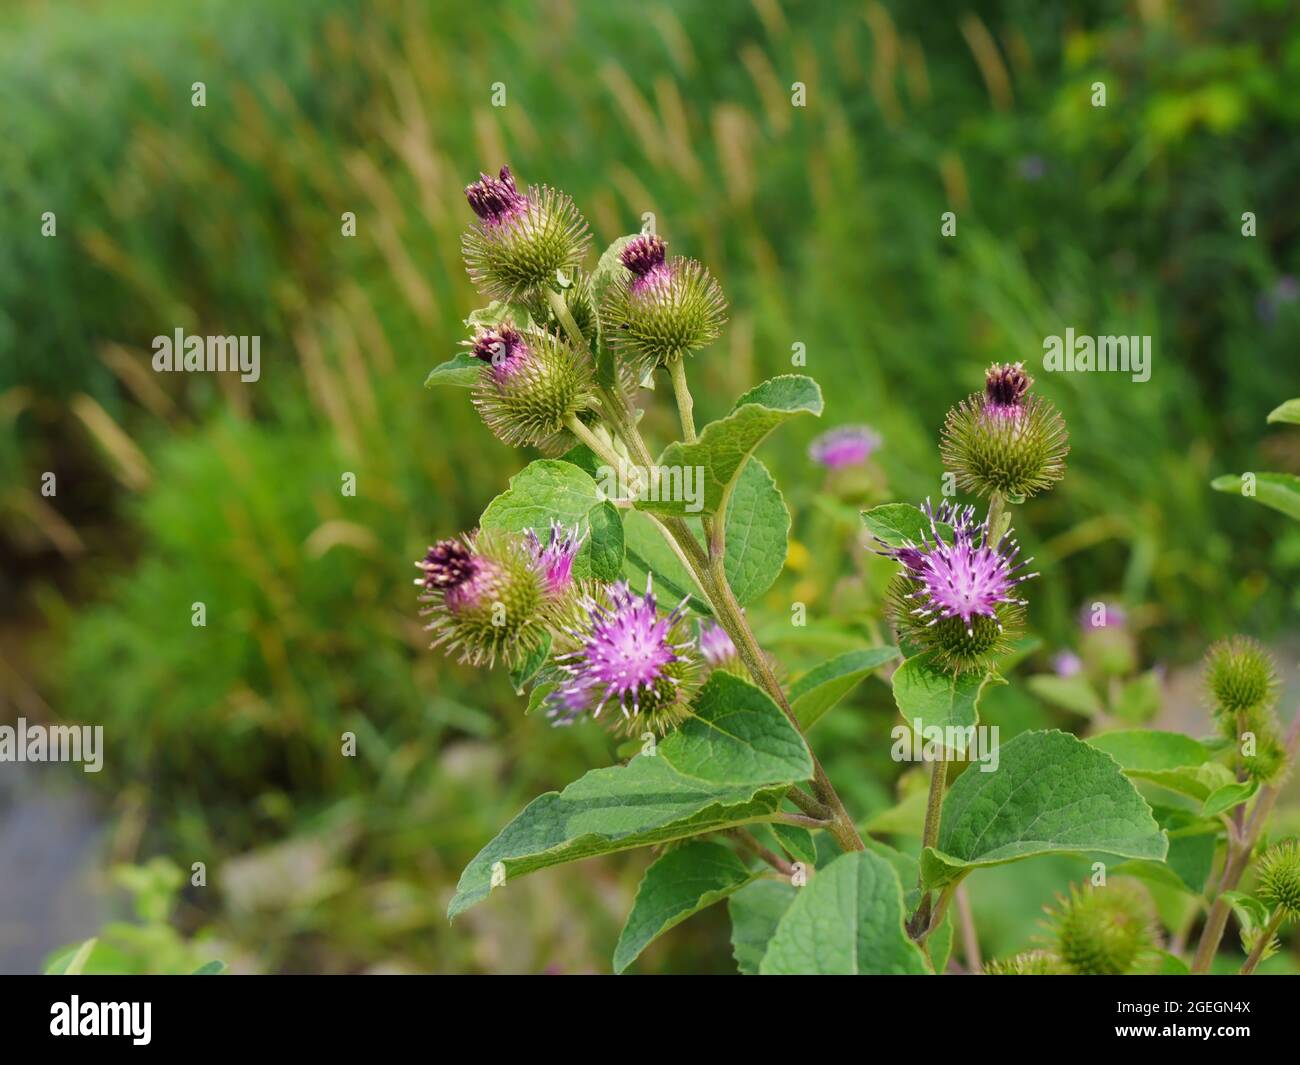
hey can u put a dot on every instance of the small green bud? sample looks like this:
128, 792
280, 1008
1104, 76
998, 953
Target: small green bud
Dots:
1027, 963
531, 385
1268, 763
1278, 873
1003, 440
1104, 931
1239, 675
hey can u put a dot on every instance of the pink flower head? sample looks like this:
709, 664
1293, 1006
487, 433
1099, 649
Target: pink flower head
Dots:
715, 645
963, 577
628, 654
555, 558
496, 200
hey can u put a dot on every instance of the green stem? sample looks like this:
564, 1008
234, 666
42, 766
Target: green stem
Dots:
1238, 857
1257, 951
712, 582
920, 922
998, 517
934, 805
560, 308
685, 404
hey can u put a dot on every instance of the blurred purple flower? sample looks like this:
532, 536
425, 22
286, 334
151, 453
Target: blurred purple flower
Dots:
845, 445
1067, 663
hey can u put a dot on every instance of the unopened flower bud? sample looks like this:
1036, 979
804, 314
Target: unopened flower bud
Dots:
521, 238
1004, 439
664, 308
531, 385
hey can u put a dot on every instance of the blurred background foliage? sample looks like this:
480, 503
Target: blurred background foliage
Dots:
822, 222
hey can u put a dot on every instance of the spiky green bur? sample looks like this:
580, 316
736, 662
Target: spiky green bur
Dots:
1268, 763
488, 599
1003, 440
1240, 675
1028, 963
1278, 873
957, 646
1103, 931
661, 310
521, 239
531, 384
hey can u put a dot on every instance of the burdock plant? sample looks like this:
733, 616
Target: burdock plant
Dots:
632, 609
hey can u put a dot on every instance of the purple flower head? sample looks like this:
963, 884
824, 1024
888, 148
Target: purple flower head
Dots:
1005, 386
503, 348
645, 255
1102, 616
495, 199
715, 645
845, 445
555, 559
966, 576
1067, 664
456, 572
628, 653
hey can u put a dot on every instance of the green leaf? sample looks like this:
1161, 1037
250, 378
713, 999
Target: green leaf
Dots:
724, 445
497, 312
210, 968
758, 530
1227, 796
938, 699
755, 912
1069, 693
462, 370
684, 881
1170, 759
1139, 699
815, 694
729, 763
797, 842
528, 668
906, 818
1250, 912
848, 920
1051, 792
553, 490
72, 962
646, 552
1288, 412
1281, 491
1149, 750
1171, 965
900, 523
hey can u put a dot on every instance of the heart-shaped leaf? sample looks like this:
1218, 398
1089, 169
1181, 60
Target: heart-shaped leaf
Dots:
1051, 792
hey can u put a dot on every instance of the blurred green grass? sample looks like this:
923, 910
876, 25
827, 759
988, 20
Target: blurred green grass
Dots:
822, 223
